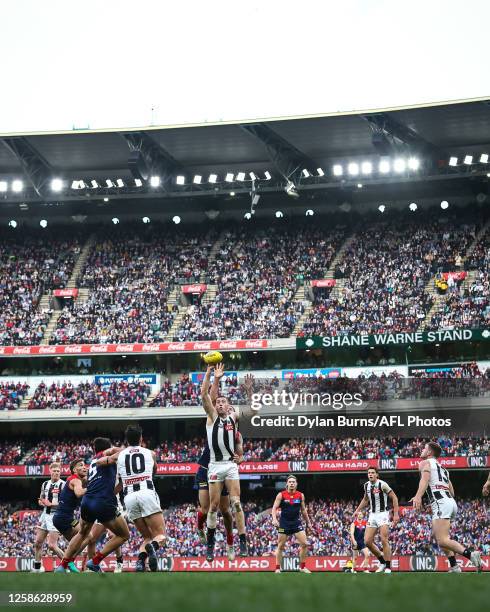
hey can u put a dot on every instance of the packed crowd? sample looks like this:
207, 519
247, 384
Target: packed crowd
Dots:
130, 275
384, 273
30, 265
382, 277
331, 520
184, 392
64, 449
257, 274
12, 394
119, 394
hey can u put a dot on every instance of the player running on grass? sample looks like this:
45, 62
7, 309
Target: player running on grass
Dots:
69, 500
435, 483
99, 504
292, 504
376, 495
48, 500
135, 468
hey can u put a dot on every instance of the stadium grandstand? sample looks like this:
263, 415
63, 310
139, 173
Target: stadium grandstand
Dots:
345, 255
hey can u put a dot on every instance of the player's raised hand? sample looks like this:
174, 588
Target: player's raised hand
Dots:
417, 502
219, 370
248, 383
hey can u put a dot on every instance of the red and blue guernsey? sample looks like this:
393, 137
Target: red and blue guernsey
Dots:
290, 512
99, 502
359, 529
68, 502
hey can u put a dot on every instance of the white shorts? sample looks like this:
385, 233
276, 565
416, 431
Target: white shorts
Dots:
46, 522
445, 508
377, 519
141, 503
220, 471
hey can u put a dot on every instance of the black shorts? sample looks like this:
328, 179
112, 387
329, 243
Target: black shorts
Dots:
64, 524
201, 481
100, 510
360, 543
289, 529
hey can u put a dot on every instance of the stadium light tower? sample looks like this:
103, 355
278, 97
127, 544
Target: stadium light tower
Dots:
3, 186
154, 181
17, 186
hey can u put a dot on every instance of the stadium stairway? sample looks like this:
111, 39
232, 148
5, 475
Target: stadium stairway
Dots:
300, 296
177, 322
212, 254
304, 292
479, 236
80, 263
72, 284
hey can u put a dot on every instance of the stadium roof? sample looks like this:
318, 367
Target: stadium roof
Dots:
289, 149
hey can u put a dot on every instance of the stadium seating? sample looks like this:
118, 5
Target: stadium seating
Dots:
46, 450
331, 519
84, 395
30, 265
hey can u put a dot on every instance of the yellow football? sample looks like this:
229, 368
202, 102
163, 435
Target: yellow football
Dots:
213, 357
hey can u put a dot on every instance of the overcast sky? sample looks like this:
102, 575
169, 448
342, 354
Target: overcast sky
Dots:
102, 64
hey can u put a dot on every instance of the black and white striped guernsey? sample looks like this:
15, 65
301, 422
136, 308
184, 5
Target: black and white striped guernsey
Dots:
221, 439
377, 494
51, 491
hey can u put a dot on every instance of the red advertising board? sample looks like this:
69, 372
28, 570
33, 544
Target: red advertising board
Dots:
155, 347
457, 276
415, 563
280, 467
323, 282
197, 288
65, 293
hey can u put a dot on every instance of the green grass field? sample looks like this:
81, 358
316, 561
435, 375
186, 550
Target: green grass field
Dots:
248, 592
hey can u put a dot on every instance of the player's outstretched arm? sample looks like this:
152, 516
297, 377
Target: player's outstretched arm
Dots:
423, 484
206, 398
275, 508
108, 459
394, 501
304, 514
238, 456
248, 385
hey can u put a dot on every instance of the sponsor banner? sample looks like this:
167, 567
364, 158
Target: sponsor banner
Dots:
457, 276
162, 347
311, 373
65, 293
323, 282
282, 467
401, 338
108, 379
415, 563
197, 288
198, 377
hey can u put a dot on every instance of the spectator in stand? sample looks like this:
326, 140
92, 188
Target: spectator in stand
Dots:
119, 394
30, 265
384, 272
130, 275
45, 451
331, 519
12, 394
257, 274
